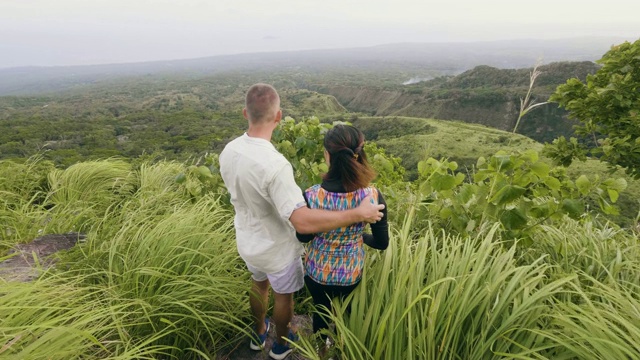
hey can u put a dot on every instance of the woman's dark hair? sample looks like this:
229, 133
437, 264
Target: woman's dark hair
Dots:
348, 161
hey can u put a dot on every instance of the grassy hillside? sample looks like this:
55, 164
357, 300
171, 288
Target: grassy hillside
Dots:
417, 139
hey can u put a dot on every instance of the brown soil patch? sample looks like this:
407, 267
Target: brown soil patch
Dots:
29, 260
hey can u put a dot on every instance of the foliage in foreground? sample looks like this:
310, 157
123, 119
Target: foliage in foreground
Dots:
158, 277
438, 296
518, 191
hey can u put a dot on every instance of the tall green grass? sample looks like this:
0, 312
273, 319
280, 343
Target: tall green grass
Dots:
39, 199
598, 315
437, 296
602, 323
603, 252
158, 276
444, 297
23, 186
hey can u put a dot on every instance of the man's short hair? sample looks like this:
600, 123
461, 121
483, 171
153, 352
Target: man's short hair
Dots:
262, 102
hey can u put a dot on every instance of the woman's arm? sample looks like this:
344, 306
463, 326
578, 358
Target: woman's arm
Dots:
305, 238
379, 237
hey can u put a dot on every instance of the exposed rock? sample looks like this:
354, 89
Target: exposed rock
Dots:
27, 261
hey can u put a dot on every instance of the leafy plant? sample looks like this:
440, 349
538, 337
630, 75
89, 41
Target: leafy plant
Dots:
202, 178
519, 191
302, 144
607, 106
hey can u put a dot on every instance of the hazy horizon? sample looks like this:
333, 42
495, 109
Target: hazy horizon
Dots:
76, 32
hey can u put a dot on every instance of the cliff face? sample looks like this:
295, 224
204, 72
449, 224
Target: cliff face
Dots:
367, 100
483, 95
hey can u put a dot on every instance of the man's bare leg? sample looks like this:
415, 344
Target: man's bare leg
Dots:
259, 301
282, 315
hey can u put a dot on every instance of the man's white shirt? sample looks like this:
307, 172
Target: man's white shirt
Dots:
264, 195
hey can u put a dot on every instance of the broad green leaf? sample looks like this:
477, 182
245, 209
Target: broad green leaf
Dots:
425, 188
466, 192
445, 212
610, 210
443, 181
513, 219
523, 180
422, 166
615, 184
502, 162
613, 195
574, 208
541, 211
481, 176
180, 178
553, 183
541, 169
583, 184
507, 194
204, 171
530, 155
301, 142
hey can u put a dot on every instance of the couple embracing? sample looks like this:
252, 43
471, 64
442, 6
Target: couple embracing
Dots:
273, 217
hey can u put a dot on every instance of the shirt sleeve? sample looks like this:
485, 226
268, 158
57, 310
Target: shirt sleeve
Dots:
284, 192
379, 237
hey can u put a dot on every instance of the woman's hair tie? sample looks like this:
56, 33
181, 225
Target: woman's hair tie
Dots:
357, 151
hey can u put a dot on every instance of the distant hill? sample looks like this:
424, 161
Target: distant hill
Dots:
483, 95
404, 60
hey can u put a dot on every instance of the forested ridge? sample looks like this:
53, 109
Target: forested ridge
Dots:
176, 115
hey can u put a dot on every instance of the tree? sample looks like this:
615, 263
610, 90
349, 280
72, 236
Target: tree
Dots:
608, 106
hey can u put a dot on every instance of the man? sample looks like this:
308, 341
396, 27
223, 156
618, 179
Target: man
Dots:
269, 209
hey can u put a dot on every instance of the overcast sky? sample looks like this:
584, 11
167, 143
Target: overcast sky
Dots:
73, 32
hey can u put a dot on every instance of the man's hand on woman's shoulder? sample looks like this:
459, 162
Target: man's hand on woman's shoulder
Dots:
369, 210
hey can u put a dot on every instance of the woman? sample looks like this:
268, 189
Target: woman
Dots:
335, 259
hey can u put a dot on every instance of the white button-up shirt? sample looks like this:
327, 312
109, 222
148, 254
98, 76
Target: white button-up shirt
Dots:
264, 194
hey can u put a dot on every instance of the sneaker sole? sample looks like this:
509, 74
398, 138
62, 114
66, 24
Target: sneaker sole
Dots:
256, 347
280, 356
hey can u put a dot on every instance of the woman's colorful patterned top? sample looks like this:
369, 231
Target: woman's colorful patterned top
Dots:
336, 257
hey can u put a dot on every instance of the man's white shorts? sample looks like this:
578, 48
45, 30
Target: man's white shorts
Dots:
286, 281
